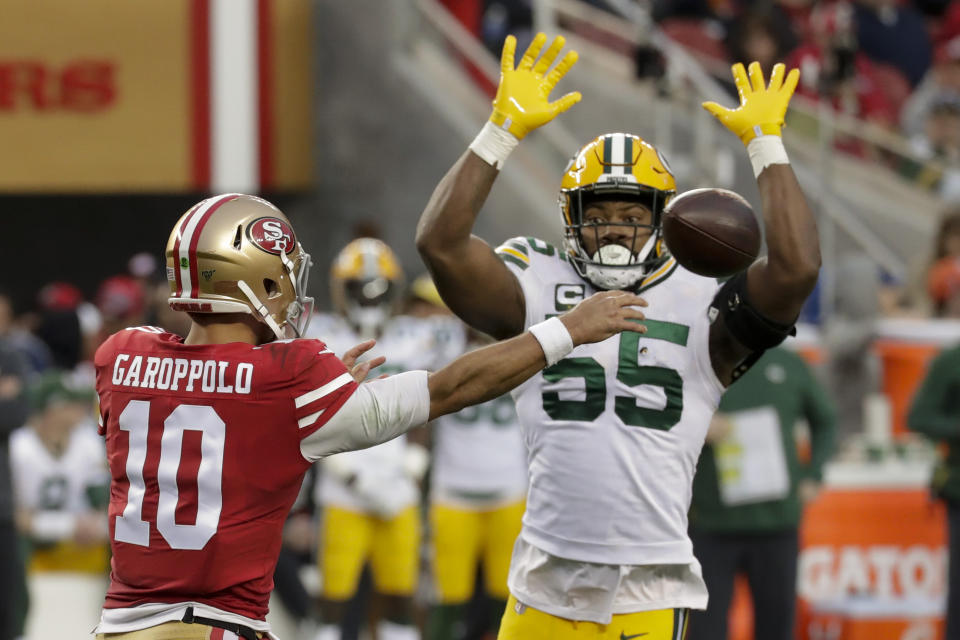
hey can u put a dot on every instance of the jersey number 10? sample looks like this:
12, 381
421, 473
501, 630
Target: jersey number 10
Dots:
135, 419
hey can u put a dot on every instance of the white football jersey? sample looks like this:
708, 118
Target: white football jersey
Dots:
613, 431
408, 344
478, 452
47, 483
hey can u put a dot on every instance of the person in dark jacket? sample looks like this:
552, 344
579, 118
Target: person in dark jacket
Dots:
13, 413
935, 413
749, 491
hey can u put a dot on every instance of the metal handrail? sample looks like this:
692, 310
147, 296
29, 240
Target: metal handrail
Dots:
467, 45
687, 72
693, 69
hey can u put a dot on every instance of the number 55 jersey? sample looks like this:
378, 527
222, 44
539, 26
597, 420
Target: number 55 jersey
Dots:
614, 430
207, 447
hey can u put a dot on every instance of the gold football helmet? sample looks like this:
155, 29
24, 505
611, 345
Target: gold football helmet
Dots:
365, 284
236, 253
615, 166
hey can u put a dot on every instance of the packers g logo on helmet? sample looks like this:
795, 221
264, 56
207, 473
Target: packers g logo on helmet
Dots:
615, 166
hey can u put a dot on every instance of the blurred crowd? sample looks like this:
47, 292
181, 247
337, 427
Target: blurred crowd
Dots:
49, 446
893, 64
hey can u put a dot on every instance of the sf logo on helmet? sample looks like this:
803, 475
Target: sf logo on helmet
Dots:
272, 235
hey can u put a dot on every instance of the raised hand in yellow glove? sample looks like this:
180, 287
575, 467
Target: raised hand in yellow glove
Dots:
522, 102
762, 107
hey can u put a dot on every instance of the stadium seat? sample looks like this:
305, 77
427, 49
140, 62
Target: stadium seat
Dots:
702, 37
894, 84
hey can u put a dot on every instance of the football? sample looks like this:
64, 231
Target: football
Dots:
711, 232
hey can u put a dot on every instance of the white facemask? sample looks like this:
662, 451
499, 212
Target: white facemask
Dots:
612, 274
368, 321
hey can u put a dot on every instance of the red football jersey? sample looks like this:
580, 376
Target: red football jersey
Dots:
203, 443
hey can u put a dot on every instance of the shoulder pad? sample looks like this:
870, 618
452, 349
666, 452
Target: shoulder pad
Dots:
521, 250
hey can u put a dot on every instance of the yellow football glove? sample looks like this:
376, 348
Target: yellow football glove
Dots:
522, 101
762, 108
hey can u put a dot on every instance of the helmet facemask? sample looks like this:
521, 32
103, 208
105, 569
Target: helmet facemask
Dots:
614, 266
368, 303
300, 310
292, 321
616, 167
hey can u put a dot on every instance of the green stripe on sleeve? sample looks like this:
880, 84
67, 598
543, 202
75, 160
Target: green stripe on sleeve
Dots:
506, 257
519, 246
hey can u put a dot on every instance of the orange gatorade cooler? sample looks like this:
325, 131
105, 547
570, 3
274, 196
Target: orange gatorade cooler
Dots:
905, 347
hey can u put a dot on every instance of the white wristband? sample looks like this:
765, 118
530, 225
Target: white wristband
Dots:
494, 144
765, 151
554, 339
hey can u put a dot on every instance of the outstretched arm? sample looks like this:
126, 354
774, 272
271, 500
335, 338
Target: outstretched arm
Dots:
473, 282
470, 277
777, 285
384, 409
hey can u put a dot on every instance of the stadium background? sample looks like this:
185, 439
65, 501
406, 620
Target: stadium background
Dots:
116, 117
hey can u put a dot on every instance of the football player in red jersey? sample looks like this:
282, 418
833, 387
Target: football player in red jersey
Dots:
208, 437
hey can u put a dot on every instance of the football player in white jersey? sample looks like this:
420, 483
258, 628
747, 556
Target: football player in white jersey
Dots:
60, 479
615, 429
478, 486
370, 498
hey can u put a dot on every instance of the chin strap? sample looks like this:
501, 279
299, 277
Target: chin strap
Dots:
614, 276
648, 248
261, 309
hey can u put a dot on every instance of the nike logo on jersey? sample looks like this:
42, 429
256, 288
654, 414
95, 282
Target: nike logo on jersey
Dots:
624, 636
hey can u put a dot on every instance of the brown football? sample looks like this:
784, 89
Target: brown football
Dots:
712, 232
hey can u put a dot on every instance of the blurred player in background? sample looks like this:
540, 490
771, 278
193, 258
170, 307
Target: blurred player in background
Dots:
60, 479
371, 498
478, 483
614, 433
61, 489
209, 436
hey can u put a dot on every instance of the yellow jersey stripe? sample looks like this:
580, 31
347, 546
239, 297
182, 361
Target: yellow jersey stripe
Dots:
659, 272
514, 253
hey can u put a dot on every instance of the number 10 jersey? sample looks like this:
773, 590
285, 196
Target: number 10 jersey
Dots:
613, 431
207, 447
